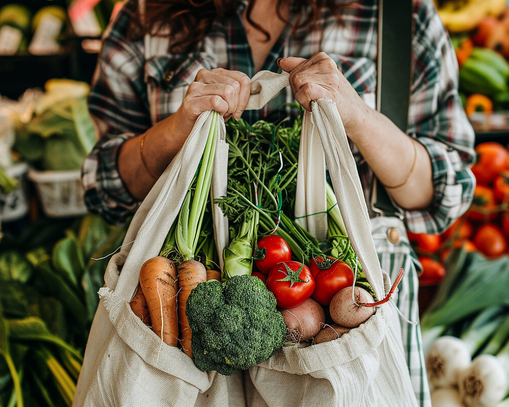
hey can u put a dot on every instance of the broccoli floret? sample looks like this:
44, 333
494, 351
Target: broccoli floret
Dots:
235, 324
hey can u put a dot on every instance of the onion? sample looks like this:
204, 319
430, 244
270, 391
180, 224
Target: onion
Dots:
447, 358
484, 383
345, 312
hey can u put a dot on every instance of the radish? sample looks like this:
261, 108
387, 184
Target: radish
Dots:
345, 312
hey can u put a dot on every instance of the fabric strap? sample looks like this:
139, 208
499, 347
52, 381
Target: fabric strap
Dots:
394, 75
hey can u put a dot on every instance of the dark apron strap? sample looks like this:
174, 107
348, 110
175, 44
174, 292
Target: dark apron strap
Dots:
394, 73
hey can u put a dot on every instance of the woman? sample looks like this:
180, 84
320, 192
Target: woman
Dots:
161, 68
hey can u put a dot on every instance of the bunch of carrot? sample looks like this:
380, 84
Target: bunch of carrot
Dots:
160, 299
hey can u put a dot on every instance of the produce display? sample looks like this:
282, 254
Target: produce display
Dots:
48, 297
466, 333
279, 286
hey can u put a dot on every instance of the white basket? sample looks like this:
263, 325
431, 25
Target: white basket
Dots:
14, 206
60, 192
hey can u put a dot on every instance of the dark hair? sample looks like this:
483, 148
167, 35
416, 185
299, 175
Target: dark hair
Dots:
189, 21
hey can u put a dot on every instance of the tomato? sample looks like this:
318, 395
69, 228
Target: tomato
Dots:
460, 229
271, 250
425, 242
490, 240
320, 263
330, 280
501, 187
260, 275
505, 223
491, 161
483, 206
291, 282
467, 245
432, 271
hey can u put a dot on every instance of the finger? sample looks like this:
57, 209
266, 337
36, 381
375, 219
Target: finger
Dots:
309, 92
238, 80
199, 104
290, 63
244, 92
226, 91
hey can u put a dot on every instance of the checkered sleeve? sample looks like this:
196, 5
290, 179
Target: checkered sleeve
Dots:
438, 121
118, 104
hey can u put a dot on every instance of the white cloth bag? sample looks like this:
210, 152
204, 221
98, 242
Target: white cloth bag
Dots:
365, 367
125, 364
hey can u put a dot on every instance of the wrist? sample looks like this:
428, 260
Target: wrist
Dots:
358, 121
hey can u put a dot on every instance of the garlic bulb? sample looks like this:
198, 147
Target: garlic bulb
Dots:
447, 357
446, 397
484, 383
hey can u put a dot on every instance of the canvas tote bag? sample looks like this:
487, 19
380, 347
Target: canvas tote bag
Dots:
125, 363
365, 367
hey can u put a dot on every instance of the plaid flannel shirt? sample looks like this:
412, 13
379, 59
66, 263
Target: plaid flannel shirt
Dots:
131, 92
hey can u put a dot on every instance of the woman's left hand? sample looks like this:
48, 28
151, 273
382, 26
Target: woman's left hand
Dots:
319, 77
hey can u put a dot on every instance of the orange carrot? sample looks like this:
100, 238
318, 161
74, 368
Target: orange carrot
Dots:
213, 275
139, 306
158, 280
191, 273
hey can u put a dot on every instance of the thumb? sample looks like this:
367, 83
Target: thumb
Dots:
288, 64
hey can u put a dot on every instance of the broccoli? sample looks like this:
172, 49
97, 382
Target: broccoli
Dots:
235, 324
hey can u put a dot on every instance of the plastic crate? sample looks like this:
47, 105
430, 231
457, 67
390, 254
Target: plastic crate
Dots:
60, 192
15, 205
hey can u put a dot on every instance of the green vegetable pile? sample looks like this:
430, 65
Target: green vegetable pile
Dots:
235, 323
472, 304
48, 297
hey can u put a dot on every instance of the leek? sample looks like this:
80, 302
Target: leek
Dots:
482, 328
499, 339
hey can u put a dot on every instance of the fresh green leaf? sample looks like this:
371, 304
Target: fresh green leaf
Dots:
14, 266
67, 258
34, 329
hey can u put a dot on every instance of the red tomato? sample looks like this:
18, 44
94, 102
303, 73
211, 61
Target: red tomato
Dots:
329, 281
320, 263
425, 242
490, 240
291, 282
460, 229
432, 271
260, 275
483, 206
272, 249
505, 223
491, 161
501, 187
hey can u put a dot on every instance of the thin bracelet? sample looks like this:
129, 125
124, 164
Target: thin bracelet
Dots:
142, 143
410, 172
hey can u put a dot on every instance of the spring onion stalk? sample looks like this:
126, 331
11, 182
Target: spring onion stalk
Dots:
503, 357
484, 383
193, 208
504, 403
447, 358
482, 328
499, 339
238, 256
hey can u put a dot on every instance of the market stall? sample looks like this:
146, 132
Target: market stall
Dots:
319, 286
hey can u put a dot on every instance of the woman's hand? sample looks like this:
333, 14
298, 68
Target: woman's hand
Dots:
319, 77
226, 92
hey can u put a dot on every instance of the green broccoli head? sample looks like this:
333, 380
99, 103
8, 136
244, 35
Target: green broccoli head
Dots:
235, 324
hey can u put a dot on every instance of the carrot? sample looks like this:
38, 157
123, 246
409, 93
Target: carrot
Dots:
158, 280
139, 306
213, 275
191, 273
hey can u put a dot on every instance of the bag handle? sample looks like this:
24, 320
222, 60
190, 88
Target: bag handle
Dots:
324, 123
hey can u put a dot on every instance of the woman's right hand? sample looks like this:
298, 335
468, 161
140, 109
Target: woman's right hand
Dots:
226, 92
